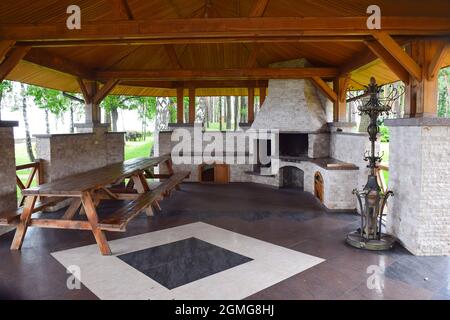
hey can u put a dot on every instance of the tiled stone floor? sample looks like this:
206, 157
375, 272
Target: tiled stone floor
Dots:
288, 218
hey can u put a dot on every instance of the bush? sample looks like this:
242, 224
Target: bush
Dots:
384, 133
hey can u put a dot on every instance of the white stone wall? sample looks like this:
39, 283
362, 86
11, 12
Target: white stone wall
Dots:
338, 184
8, 197
68, 154
420, 178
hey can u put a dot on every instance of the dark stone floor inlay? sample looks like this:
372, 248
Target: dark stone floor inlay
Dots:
181, 262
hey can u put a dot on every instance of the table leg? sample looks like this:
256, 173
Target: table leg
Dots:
72, 210
169, 167
141, 185
92, 216
22, 227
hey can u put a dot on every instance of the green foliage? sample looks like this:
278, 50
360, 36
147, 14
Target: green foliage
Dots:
49, 99
444, 91
5, 86
384, 133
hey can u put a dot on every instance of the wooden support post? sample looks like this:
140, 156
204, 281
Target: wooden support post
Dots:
251, 104
191, 105
92, 110
422, 93
262, 95
180, 105
340, 85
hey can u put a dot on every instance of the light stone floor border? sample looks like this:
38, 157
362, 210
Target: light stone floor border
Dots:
108, 277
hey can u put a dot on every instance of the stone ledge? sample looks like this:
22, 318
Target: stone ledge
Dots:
358, 134
418, 122
51, 135
342, 124
92, 125
9, 124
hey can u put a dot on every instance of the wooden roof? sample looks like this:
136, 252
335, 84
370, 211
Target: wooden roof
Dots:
221, 47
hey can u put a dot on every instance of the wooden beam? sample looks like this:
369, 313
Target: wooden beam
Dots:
105, 90
86, 95
340, 104
258, 8
253, 53
5, 47
262, 95
223, 28
197, 84
192, 40
399, 54
173, 56
49, 60
122, 8
191, 105
251, 104
12, 60
180, 104
436, 62
389, 60
225, 74
325, 88
343, 87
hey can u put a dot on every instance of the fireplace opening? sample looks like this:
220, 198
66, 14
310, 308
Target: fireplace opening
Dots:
293, 144
264, 154
292, 178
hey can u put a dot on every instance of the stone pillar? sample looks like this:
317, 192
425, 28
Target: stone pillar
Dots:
8, 197
419, 165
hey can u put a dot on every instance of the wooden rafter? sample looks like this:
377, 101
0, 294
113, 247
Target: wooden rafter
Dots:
56, 62
224, 28
361, 59
5, 47
225, 74
389, 60
258, 8
436, 63
8, 64
325, 88
161, 41
123, 10
105, 90
86, 95
173, 56
253, 54
399, 54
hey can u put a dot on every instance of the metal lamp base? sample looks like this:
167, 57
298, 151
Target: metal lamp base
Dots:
356, 240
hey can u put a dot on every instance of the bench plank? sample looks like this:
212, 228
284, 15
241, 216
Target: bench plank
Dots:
12, 217
120, 218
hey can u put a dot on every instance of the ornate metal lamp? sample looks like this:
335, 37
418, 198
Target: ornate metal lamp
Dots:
372, 199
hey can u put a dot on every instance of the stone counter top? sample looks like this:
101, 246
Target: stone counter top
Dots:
418, 122
325, 163
9, 124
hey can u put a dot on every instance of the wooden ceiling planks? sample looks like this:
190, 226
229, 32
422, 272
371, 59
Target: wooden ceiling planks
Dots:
206, 56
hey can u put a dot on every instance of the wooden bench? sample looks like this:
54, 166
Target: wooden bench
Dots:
12, 218
120, 218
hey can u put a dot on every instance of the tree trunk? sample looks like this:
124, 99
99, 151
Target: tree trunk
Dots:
47, 122
25, 120
72, 122
220, 113
114, 119
236, 112
1, 98
228, 113
162, 113
201, 110
207, 111
243, 109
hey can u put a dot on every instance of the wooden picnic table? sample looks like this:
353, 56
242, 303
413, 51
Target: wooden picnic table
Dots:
87, 189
